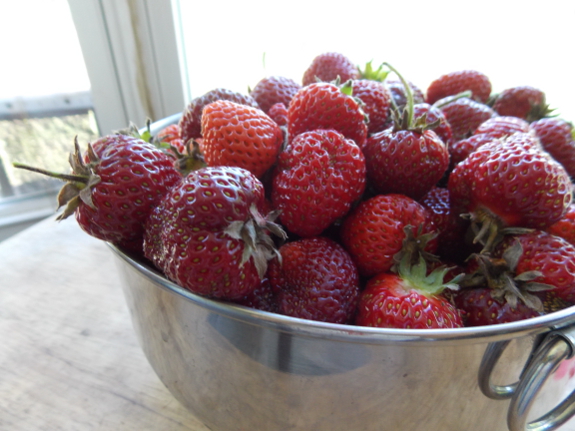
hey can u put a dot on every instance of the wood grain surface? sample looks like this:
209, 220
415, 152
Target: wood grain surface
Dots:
69, 359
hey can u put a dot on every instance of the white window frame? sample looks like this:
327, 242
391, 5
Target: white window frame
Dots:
134, 54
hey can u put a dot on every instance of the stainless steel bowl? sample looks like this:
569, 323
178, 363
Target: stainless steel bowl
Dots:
240, 369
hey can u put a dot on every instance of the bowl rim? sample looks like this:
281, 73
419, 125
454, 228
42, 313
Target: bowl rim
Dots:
352, 333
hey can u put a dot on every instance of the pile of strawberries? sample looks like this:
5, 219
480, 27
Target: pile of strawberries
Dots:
351, 198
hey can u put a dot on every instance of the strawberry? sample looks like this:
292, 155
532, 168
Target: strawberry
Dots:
327, 106
433, 115
262, 298
457, 82
407, 159
376, 100
239, 135
464, 115
191, 121
279, 114
480, 307
274, 89
397, 90
316, 279
510, 183
551, 257
114, 186
450, 226
318, 176
565, 227
557, 137
208, 234
374, 232
502, 126
459, 150
170, 136
328, 67
523, 102
410, 299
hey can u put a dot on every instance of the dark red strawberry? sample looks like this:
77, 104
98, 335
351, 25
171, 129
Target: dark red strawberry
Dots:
262, 298
208, 234
459, 150
511, 182
481, 308
239, 135
433, 115
328, 67
557, 137
457, 82
279, 114
318, 177
374, 232
523, 102
397, 90
451, 227
410, 299
376, 100
326, 106
114, 186
499, 127
274, 89
191, 120
171, 138
464, 115
565, 227
316, 279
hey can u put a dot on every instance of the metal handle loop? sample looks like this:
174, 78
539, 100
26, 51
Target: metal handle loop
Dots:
488, 362
550, 353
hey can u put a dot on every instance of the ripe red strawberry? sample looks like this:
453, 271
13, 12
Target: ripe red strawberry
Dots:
262, 298
523, 102
279, 114
318, 177
481, 308
464, 115
373, 233
376, 100
326, 106
451, 227
397, 90
239, 135
459, 150
511, 182
191, 120
553, 257
114, 186
499, 127
328, 66
274, 89
171, 136
565, 227
457, 82
557, 137
315, 280
208, 234
434, 116
408, 300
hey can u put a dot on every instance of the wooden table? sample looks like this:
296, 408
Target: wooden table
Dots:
69, 359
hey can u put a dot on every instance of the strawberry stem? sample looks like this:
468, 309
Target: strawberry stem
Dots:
408, 94
64, 177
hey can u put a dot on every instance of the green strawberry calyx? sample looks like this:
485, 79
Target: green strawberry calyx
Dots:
78, 187
429, 284
379, 74
499, 274
255, 234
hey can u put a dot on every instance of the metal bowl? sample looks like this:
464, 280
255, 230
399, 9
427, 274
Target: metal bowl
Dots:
236, 368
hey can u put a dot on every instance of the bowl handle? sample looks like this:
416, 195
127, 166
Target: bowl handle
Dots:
557, 346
